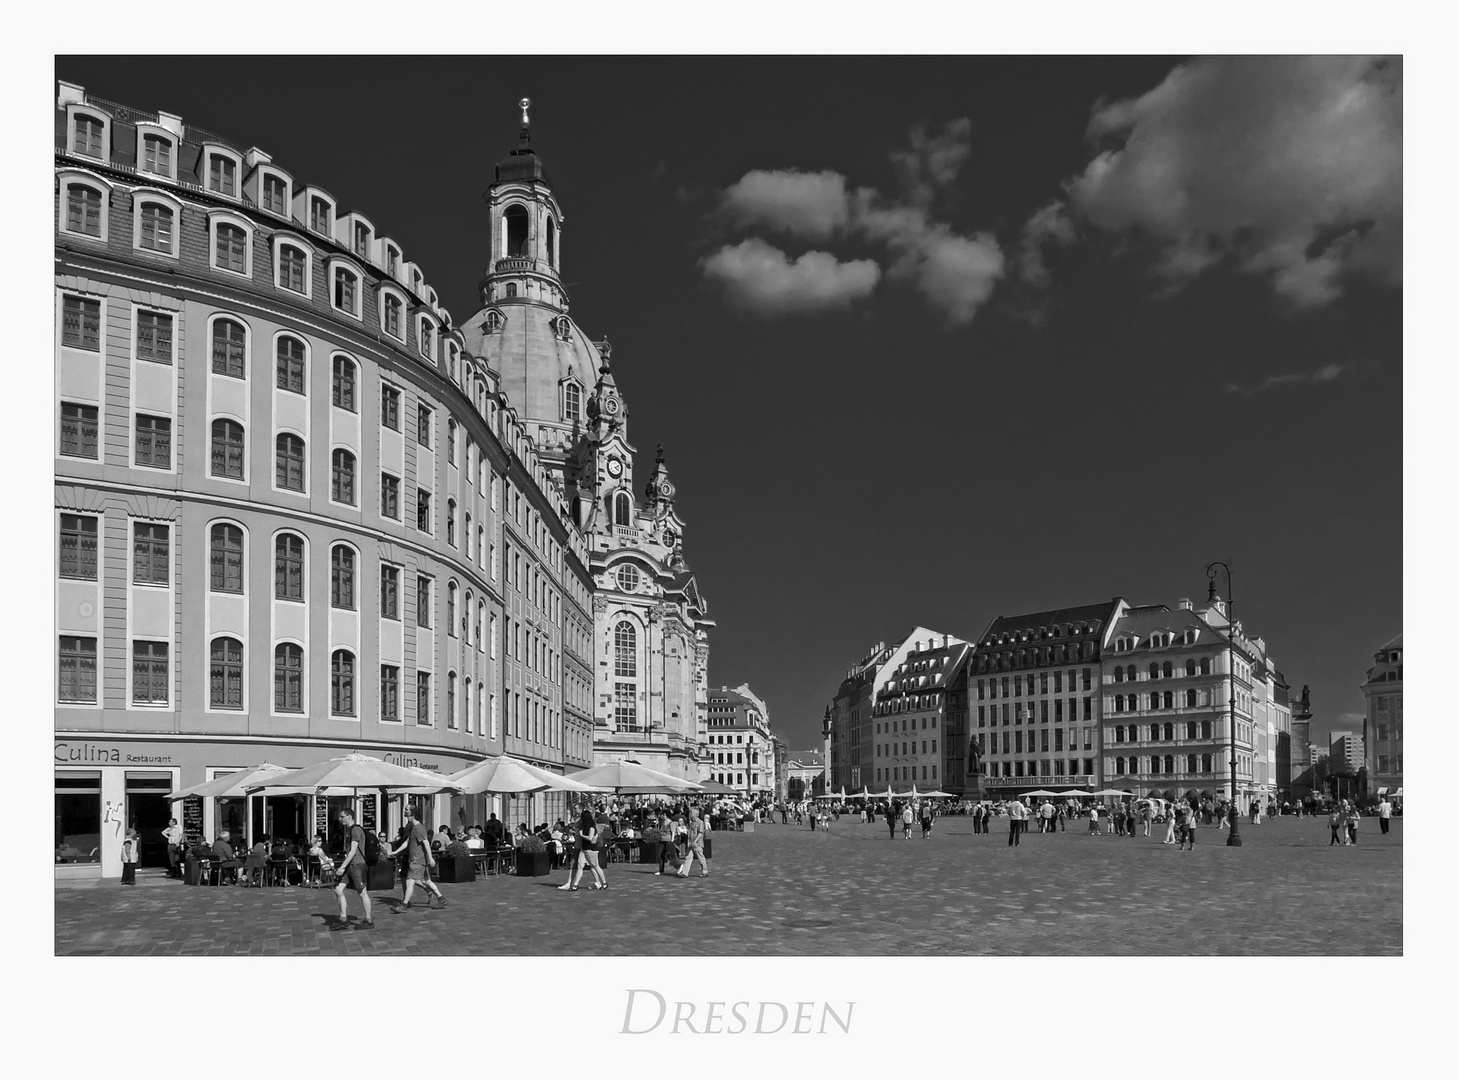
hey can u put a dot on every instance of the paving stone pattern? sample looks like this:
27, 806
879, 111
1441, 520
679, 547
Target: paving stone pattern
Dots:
850, 891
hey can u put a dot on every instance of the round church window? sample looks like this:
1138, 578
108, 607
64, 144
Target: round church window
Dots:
628, 578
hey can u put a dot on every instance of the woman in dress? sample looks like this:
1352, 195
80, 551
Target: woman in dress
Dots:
587, 848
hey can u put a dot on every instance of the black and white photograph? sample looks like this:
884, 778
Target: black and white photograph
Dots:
702, 510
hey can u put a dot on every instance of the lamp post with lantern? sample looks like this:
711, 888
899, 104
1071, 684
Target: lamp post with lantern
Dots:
1233, 840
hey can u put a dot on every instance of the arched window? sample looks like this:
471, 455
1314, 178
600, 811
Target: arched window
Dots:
288, 678
572, 401
158, 227
1119, 731
1154, 764
231, 248
1118, 702
289, 463
1190, 762
1191, 729
1133, 674
229, 349
1169, 733
1189, 667
1205, 665
622, 509
1206, 763
551, 243
392, 317
343, 477
341, 577
1154, 671
451, 609
290, 364
514, 231
1168, 669
625, 650
83, 210
341, 683
1190, 700
88, 135
1154, 733
288, 567
1118, 674
1169, 764
1169, 699
451, 522
1119, 765
226, 558
1205, 729
292, 267
344, 383
225, 673
346, 290
228, 449
451, 700
511, 288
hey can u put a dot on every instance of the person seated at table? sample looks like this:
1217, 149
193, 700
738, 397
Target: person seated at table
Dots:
257, 859
457, 848
223, 856
473, 838
506, 839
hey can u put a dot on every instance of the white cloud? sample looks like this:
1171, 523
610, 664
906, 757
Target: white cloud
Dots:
760, 278
1322, 375
1050, 225
955, 273
1290, 167
807, 204
934, 160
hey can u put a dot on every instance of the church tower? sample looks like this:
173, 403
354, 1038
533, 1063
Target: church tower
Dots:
650, 623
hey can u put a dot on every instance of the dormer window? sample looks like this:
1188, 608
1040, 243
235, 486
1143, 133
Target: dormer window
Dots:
232, 244
564, 328
157, 155
572, 402
87, 136
392, 307
321, 215
293, 270
392, 259
493, 322
86, 207
425, 333
222, 175
346, 290
156, 227
275, 195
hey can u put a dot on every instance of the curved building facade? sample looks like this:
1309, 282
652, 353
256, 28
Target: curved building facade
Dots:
296, 513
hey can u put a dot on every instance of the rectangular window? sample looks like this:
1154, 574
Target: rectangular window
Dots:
422, 698
319, 215
422, 425
222, 175
154, 337
151, 554
77, 669
625, 706
422, 601
344, 289
88, 136
149, 673
80, 430
79, 546
154, 441
81, 323
361, 240
389, 592
292, 265
422, 510
390, 407
231, 250
275, 194
389, 496
389, 693
392, 316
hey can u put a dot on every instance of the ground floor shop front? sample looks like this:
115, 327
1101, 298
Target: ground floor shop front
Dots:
107, 786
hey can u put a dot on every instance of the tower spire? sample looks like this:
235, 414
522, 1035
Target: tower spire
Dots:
526, 124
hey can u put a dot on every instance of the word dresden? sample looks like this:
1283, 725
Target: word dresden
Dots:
732, 1017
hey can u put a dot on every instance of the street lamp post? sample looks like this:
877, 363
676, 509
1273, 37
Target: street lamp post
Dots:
1233, 840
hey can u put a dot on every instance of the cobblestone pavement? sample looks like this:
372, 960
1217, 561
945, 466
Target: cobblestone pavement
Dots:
849, 891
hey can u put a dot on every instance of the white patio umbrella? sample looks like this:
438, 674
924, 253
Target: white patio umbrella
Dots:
506, 775
351, 774
1115, 793
630, 778
233, 786
1073, 794
937, 795
1041, 794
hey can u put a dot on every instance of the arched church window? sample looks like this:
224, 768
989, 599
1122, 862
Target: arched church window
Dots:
510, 289
514, 230
572, 401
551, 243
622, 509
493, 322
625, 650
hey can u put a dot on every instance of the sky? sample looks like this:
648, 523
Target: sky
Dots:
929, 340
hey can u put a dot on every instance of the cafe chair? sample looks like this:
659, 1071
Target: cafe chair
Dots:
277, 870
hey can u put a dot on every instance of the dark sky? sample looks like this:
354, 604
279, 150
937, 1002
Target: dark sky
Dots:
1208, 365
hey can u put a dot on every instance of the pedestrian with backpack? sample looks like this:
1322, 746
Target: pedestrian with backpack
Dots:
419, 860
353, 872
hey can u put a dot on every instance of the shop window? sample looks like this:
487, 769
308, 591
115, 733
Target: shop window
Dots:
78, 816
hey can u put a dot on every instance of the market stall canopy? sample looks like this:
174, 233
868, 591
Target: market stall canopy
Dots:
1042, 794
713, 787
506, 775
233, 786
630, 778
353, 773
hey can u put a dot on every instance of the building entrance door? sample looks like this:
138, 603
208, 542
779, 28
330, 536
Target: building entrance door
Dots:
148, 812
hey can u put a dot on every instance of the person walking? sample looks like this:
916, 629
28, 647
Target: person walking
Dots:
695, 847
1093, 820
1147, 815
419, 859
1337, 822
1169, 829
926, 820
1384, 814
587, 848
353, 874
1354, 818
906, 819
891, 817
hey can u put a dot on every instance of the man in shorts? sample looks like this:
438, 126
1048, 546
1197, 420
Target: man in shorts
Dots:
416, 845
353, 873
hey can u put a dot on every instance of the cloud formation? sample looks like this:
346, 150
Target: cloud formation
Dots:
955, 273
1323, 375
1287, 167
807, 204
760, 279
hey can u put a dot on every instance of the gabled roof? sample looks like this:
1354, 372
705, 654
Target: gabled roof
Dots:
1095, 616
